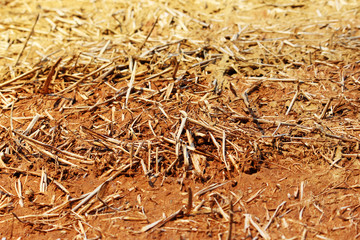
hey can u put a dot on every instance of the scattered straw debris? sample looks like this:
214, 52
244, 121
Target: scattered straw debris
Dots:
114, 114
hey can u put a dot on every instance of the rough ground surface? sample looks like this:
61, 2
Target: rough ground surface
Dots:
181, 120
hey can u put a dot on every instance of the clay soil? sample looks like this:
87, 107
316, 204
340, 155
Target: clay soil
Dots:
179, 120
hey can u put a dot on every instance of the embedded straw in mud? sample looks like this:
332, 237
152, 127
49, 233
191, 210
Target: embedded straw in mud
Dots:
190, 120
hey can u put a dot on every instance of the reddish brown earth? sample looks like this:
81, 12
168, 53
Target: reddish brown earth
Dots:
116, 120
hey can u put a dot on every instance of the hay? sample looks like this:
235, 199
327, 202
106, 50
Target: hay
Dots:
209, 91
